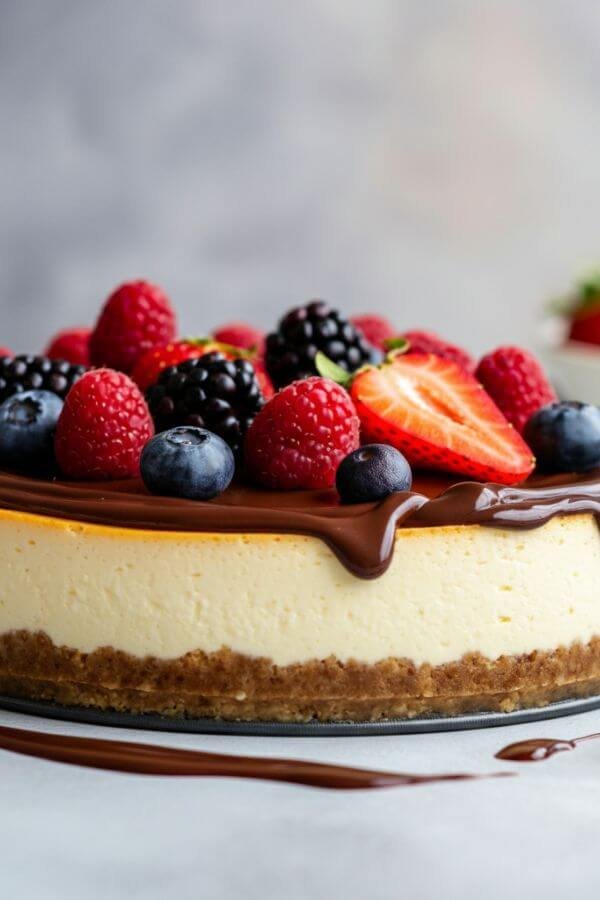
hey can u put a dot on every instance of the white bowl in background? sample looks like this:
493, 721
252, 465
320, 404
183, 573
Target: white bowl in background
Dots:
574, 369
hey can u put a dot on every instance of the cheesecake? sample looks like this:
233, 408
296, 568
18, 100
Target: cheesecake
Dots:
452, 597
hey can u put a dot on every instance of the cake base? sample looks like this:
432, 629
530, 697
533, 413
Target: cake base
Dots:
232, 686
89, 715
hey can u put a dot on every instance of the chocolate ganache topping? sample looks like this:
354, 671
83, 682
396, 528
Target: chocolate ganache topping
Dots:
361, 535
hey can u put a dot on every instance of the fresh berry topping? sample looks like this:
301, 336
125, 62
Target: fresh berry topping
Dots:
135, 318
71, 344
375, 329
4, 351
371, 473
440, 417
187, 462
264, 382
428, 342
516, 382
37, 373
302, 434
149, 366
291, 350
27, 425
103, 427
238, 334
208, 392
565, 437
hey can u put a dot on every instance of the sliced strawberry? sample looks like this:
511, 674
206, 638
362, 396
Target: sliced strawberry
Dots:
440, 417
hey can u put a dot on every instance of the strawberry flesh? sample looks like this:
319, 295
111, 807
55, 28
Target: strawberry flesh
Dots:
440, 417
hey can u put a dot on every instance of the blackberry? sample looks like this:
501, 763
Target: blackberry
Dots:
291, 350
211, 392
37, 373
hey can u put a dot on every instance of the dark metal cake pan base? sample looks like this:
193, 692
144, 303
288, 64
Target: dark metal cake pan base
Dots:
418, 725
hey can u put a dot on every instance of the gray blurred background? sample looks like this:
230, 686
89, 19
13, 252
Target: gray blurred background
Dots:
435, 161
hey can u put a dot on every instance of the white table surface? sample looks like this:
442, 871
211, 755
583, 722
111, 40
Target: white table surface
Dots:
68, 832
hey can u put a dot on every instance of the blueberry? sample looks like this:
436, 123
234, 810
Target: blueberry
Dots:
27, 425
371, 473
565, 437
187, 462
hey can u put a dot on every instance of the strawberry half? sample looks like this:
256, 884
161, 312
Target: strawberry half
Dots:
440, 417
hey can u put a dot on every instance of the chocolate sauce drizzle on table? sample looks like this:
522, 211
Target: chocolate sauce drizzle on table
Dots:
361, 535
538, 749
149, 759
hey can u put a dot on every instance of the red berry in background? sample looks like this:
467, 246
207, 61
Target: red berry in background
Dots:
103, 427
585, 326
135, 318
4, 351
375, 329
300, 437
516, 382
238, 334
428, 342
71, 344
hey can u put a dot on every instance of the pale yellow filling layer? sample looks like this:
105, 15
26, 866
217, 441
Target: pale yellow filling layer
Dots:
448, 591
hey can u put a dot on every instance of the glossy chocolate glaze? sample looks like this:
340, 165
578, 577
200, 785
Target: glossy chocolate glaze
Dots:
361, 536
149, 759
538, 749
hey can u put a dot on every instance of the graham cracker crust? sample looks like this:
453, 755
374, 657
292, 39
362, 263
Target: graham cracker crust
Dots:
232, 686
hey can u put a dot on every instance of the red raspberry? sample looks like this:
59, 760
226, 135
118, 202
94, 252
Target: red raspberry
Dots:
135, 318
300, 437
238, 334
515, 380
71, 344
4, 351
103, 427
376, 329
428, 342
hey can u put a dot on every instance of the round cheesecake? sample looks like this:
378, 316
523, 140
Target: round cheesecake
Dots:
450, 598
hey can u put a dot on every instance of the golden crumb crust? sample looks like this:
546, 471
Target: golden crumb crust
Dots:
233, 686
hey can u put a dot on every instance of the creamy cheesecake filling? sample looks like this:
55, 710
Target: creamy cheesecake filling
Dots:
449, 591
362, 536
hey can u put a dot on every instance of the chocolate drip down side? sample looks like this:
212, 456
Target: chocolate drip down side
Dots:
361, 536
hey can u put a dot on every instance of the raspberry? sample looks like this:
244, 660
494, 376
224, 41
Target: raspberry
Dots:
515, 380
135, 318
71, 344
428, 342
300, 437
4, 351
375, 329
238, 334
103, 427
